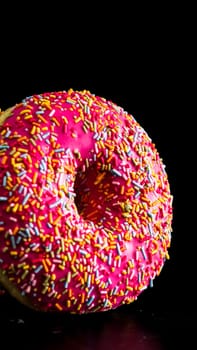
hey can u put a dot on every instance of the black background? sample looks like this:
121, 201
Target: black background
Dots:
141, 59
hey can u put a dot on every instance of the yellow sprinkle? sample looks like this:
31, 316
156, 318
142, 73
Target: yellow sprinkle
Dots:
81, 268
68, 302
15, 208
73, 268
33, 142
29, 116
13, 253
130, 264
25, 111
167, 256
33, 130
77, 120
154, 251
129, 288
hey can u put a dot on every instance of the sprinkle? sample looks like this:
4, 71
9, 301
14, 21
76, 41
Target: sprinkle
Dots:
144, 253
25, 200
58, 306
38, 269
2, 198
59, 150
137, 184
52, 113
118, 248
90, 300
116, 172
4, 147
55, 204
151, 283
150, 229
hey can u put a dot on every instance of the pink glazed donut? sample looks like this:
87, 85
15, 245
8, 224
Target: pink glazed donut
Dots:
85, 204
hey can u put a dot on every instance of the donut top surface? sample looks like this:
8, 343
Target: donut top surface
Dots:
85, 203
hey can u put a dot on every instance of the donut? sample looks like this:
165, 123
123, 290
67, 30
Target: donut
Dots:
85, 204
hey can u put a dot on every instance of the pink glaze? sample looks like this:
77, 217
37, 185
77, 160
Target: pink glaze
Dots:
85, 203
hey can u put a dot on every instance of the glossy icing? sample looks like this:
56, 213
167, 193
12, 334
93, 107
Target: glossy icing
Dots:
85, 203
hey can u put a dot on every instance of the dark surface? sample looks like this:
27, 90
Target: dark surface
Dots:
126, 328
144, 66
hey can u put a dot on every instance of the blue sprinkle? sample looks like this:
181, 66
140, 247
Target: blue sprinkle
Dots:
119, 237
139, 277
105, 302
26, 198
4, 180
12, 238
19, 238
21, 188
4, 147
143, 253
150, 229
27, 231
39, 112
21, 173
90, 290
109, 258
109, 280
38, 269
90, 300
116, 172
59, 150
7, 133
118, 248
36, 231
114, 292
3, 198
151, 283
55, 204
89, 281
44, 136
83, 252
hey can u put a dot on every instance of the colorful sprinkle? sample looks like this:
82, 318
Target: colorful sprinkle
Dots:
85, 203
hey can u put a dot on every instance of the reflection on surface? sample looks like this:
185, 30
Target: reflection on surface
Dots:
122, 329
131, 327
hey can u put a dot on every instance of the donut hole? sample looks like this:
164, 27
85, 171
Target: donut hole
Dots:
94, 192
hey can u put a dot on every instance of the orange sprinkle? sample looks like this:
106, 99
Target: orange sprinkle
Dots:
42, 118
55, 121
59, 307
